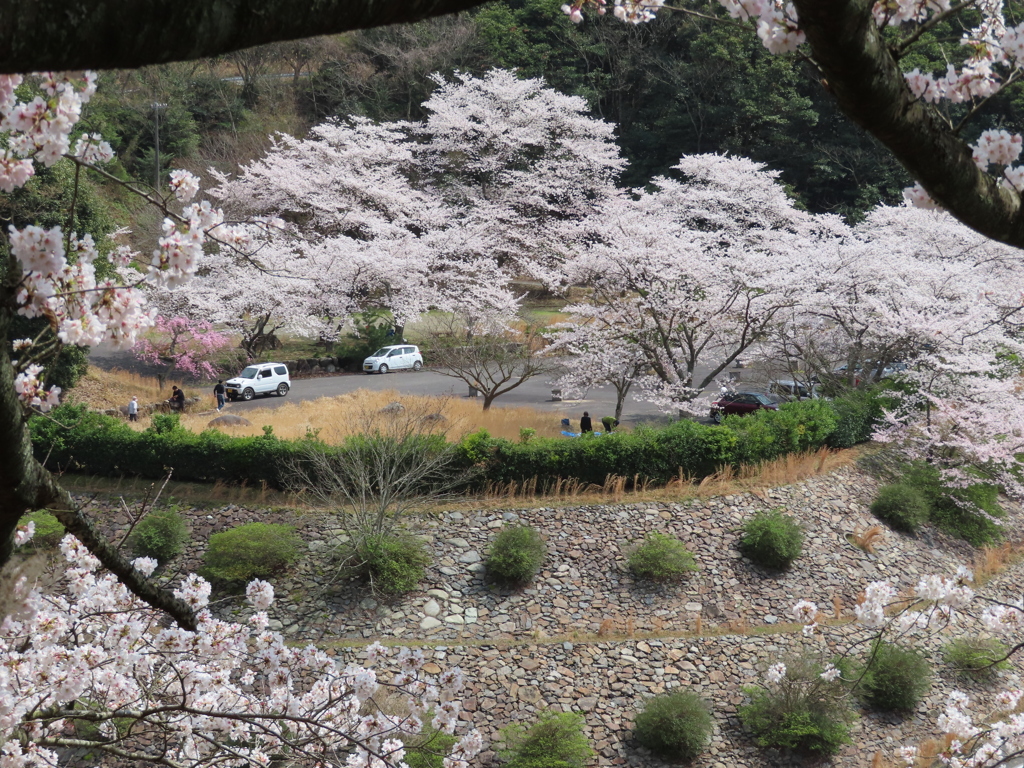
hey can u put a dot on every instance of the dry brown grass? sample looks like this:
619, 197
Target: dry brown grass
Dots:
112, 389
196, 493
991, 561
336, 418
867, 539
616, 488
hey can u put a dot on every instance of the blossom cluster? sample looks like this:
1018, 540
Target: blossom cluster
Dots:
231, 693
30, 389
58, 280
985, 740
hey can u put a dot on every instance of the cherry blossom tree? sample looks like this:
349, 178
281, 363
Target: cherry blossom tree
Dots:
491, 354
953, 299
50, 274
696, 271
182, 345
95, 668
365, 237
857, 47
519, 158
597, 358
991, 737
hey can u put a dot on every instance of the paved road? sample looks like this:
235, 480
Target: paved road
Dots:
535, 393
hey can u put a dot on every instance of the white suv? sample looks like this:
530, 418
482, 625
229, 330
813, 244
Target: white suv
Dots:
394, 358
259, 379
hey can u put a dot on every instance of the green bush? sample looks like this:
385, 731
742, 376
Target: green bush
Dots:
165, 423
965, 513
803, 712
979, 657
515, 555
161, 535
857, 414
49, 530
901, 506
772, 539
252, 551
661, 558
556, 740
392, 564
895, 679
72, 439
428, 750
677, 726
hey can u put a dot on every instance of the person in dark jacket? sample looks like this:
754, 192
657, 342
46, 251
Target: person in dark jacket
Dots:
218, 390
177, 399
586, 425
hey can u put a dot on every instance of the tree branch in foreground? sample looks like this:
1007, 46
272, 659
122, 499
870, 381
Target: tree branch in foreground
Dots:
870, 89
45, 35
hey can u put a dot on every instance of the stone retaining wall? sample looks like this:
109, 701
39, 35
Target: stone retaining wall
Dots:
586, 636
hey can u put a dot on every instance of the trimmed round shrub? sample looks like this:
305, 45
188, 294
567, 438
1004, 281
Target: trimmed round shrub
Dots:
677, 726
391, 564
979, 657
802, 712
902, 507
556, 740
515, 555
772, 539
161, 535
49, 530
661, 558
252, 551
895, 678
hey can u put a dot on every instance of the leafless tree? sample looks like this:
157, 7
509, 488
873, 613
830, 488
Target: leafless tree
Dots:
489, 357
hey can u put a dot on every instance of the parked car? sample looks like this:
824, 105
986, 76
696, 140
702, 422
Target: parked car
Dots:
259, 379
887, 369
393, 358
789, 389
741, 404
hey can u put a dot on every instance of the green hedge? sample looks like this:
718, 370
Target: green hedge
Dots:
76, 440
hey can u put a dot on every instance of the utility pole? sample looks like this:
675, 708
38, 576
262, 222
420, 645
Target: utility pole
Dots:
156, 114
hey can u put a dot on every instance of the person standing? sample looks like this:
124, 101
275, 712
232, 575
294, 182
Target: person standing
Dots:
133, 409
218, 390
586, 425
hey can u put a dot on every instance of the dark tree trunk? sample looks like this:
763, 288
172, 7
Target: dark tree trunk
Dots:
869, 87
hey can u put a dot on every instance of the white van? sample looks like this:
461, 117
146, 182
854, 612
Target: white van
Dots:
259, 379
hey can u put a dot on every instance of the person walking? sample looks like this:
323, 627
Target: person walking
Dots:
133, 409
218, 390
586, 425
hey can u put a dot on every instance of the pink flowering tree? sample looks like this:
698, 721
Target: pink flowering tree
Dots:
94, 667
363, 236
182, 345
694, 273
51, 275
858, 47
986, 733
597, 358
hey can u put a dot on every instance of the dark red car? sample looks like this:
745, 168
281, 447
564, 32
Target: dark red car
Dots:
741, 403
